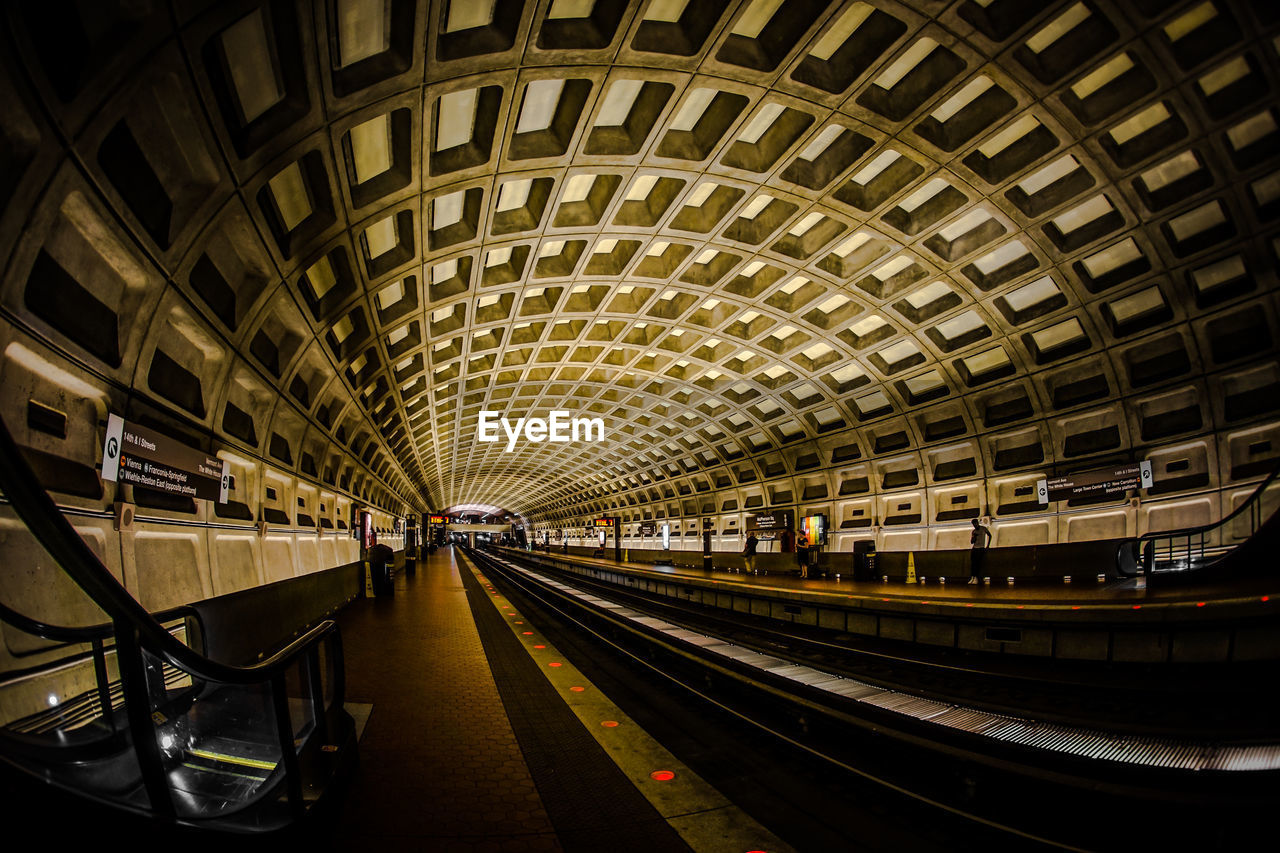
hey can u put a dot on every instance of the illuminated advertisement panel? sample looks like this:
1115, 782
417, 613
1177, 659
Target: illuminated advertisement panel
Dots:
815, 527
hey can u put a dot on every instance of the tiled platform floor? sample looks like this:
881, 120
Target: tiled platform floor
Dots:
440, 768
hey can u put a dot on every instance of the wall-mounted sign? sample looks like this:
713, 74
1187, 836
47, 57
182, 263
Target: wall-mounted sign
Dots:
782, 519
1101, 483
648, 528
144, 457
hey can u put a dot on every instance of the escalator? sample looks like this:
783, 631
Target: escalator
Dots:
1240, 544
130, 724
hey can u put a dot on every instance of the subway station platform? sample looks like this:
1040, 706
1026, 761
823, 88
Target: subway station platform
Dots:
1086, 620
995, 592
483, 737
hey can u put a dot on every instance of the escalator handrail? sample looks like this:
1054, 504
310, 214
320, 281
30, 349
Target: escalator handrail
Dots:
51, 528
1136, 542
68, 634
1256, 495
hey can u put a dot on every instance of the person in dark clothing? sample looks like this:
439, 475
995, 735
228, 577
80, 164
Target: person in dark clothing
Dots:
749, 552
802, 553
978, 540
380, 559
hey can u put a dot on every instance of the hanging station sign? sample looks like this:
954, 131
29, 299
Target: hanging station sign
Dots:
1104, 482
782, 519
606, 523
143, 457
437, 519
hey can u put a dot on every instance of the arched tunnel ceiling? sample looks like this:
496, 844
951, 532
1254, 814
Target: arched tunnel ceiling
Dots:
754, 237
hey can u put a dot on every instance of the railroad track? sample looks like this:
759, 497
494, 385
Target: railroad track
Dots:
1202, 702
1009, 774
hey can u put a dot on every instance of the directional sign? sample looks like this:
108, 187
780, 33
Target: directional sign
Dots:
648, 528
143, 457
1101, 483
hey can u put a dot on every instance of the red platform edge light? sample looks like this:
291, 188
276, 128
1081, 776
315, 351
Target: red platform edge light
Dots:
539, 647
526, 633
610, 724
577, 689
555, 663
662, 775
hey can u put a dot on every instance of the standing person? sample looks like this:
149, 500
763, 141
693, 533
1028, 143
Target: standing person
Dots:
380, 559
749, 552
802, 553
978, 540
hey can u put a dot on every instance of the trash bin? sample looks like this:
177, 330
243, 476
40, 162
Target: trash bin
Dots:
380, 559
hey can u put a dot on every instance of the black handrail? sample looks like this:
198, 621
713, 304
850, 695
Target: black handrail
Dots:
52, 529
1136, 546
136, 630
1205, 528
69, 634
57, 633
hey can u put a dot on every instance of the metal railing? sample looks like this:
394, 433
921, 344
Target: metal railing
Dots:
1194, 548
165, 702
79, 646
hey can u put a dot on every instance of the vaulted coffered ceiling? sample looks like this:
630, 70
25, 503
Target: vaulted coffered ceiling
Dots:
757, 238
